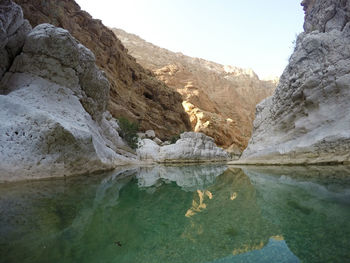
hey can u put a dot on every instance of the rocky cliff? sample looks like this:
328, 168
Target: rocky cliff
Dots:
307, 120
220, 100
135, 93
53, 101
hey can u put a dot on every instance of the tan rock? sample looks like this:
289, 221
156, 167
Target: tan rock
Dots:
219, 100
158, 141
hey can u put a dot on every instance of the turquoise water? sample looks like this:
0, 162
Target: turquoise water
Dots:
180, 214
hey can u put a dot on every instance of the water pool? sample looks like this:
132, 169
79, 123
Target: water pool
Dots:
180, 214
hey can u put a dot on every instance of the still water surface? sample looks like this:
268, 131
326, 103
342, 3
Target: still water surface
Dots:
180, 214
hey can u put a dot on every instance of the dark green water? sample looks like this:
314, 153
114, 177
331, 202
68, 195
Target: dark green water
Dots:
180, 214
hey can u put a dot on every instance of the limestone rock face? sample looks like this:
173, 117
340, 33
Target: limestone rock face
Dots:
307, 120
219, 100
13, 30
191, 147
325, 16
53, 111
135, 93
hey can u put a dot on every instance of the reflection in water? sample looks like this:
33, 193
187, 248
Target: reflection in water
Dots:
311, 205
233, 196
180, 214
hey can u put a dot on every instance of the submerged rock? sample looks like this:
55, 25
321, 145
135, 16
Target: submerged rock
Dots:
53, 112
307, 120
191, 147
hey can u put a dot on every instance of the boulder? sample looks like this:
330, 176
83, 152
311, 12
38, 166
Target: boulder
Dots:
158, 141
307, 120
150, 134
148, 150
53, 112
191, 147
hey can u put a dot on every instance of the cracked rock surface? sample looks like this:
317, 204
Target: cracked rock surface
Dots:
53, 111
307, 120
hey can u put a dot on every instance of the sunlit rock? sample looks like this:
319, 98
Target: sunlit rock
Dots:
307, 120
191, 147
219, 100
53, 112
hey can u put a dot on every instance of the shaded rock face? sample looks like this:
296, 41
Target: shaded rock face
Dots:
134, 93
191, 147
53, 111
325, 15
13, 29
307, 120
220, 100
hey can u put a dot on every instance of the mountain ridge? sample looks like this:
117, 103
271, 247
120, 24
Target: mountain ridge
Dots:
219, 99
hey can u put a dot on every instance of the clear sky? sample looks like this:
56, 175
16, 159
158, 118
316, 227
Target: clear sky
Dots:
255, 34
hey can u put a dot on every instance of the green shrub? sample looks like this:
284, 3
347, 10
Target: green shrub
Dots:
174, 138
128, 131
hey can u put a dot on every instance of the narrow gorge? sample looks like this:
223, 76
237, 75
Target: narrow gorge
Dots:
113, 149
219, 99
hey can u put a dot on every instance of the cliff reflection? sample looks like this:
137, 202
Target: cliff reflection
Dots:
224, 227
180, 214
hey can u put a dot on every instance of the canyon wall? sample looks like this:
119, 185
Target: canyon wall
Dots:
220, 100
135, 93
53, 102
307, 120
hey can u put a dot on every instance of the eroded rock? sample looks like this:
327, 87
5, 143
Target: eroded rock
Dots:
53, 118
307, 120
134, 92
13, 30
219, 100
191, 147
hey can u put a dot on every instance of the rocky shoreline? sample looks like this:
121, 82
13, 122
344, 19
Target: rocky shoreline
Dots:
55, 118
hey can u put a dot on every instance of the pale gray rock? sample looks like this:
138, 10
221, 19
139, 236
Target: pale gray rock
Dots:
325, 15
13, 30
307, 120
191, 147
53, 54
165, 143
53, 118
158, 141
141, 135
147, 150
150, 134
